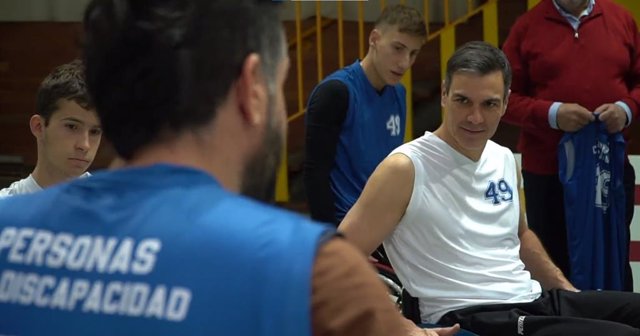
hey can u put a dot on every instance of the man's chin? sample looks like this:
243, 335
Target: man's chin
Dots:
75, 172
393, 81
394, 78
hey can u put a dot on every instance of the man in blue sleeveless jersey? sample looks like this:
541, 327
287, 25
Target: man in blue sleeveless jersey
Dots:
449, 212
190, 93
356, 116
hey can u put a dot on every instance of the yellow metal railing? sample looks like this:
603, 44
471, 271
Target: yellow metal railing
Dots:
319, 39
340, 35
446, 34
361, 29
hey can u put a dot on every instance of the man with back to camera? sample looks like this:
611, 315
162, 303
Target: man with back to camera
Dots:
447, 207
190, 93
356, 116
66, 129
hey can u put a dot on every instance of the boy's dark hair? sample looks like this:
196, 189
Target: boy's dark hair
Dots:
67, 81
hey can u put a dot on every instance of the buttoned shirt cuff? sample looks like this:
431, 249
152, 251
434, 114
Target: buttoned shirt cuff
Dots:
627, 110
553, 115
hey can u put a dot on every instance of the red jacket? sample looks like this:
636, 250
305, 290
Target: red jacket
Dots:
551, 63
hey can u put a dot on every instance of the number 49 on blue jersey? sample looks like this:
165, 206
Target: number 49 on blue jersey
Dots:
498, 192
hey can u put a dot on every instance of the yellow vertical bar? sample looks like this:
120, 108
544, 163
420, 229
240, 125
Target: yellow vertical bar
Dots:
532, 3
361, 29
299, 54
447, 47
633, 6
408, 85
382, 4
319, 39
446, 12
282, 179
408, 129
340, 35
425, 12
469, 6
490, 22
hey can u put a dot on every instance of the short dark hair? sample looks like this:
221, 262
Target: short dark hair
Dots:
408, 20
66, 81
481, 58
158, 67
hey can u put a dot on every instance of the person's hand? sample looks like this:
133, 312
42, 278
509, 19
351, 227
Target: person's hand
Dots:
569, 287
448, 331
572, 117
563, 283
613, 116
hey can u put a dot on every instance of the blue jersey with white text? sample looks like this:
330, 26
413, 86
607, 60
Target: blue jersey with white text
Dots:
373, 127
591, 171
160, 250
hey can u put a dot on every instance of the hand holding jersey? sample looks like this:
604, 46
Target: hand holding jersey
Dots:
613, 116
572, 117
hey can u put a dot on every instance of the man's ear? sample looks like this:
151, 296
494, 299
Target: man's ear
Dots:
251, 90
374, 37
37, 125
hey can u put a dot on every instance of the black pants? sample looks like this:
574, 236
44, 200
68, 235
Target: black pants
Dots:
544, 197
556, 312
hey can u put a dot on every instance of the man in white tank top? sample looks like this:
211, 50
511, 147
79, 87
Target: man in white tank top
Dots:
66, 128
448, 209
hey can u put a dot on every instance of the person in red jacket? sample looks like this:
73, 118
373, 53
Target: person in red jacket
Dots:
573, 61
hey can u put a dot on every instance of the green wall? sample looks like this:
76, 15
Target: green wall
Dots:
633, 6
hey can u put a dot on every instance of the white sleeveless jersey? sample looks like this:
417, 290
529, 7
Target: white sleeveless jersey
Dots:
457, 244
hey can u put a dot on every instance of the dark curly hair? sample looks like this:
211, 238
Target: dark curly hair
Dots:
158, 67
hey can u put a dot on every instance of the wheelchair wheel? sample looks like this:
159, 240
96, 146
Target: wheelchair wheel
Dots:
392, 283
